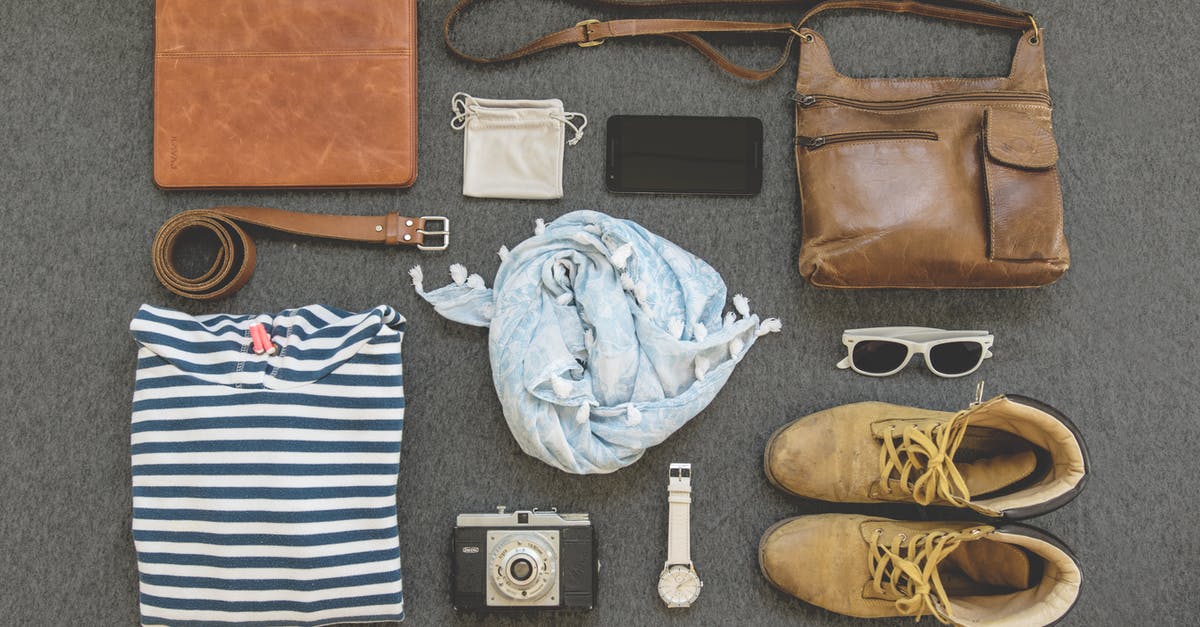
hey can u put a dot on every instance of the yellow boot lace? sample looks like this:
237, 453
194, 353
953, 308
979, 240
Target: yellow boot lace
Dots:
922, 463
908, 570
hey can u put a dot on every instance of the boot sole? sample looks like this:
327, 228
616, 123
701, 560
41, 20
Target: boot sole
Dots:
1015, 514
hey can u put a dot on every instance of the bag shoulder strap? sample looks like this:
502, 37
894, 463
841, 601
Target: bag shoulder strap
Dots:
592, 32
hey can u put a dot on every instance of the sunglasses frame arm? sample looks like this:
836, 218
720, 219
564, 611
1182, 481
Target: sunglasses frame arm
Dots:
917, 335
889, 332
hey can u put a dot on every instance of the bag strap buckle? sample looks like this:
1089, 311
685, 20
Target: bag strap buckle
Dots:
588, 42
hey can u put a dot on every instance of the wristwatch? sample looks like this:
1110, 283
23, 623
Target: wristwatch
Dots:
679, 585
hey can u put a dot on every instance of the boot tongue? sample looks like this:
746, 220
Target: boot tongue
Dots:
994, 473
989, 564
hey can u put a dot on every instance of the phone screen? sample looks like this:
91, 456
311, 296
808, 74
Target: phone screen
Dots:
684, 155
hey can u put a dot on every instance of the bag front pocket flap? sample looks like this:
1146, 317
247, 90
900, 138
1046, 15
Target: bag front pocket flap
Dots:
1019, 140
1024, 196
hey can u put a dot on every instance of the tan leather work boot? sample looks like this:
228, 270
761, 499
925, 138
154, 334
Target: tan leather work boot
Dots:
1009, 457
960, 573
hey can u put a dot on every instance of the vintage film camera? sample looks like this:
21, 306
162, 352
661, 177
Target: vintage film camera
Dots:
524, 560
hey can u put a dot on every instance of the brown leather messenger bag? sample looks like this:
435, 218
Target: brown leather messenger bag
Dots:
904, 183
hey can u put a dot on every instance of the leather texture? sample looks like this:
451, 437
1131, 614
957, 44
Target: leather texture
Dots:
824, 559
285, 93
974, 203
1025, 209
236, 256
835, 455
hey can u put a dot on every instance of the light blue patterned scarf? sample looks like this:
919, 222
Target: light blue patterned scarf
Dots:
605, 338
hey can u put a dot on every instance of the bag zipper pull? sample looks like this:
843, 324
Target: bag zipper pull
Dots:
810, 142
804, 100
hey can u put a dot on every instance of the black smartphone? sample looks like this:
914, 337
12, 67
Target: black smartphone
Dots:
656, 154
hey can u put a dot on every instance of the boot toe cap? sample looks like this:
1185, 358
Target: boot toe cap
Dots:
786, 553
821, 560
816, 457
794, 462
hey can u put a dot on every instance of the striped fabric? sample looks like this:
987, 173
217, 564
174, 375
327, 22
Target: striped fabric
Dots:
264, 487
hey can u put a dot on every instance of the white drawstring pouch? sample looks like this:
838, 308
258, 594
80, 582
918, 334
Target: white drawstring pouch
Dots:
514, 148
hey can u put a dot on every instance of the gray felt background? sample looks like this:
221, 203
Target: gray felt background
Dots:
1114, 344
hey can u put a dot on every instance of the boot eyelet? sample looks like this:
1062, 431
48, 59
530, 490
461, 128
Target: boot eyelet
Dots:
902, 537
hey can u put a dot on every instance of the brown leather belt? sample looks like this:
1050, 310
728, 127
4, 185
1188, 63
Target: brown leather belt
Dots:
234, 264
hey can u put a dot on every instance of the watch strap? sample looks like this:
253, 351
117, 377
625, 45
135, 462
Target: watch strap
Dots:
679, 510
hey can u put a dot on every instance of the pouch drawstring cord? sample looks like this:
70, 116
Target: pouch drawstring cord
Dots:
464, 111
567, 119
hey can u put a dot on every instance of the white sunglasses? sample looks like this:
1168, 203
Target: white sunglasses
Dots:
887, 350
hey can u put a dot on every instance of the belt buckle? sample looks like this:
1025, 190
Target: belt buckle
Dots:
444, 231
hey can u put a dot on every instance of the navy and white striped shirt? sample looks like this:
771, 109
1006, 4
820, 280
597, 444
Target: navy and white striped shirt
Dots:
264, 487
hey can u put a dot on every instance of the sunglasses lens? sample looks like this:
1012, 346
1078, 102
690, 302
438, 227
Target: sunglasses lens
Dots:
878, 357
955, 357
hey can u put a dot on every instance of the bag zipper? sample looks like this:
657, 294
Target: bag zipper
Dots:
813, 143
808, 100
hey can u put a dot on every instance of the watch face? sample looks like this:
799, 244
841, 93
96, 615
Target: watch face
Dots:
679, 586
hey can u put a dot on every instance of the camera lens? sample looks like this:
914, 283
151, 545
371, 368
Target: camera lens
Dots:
524, 569
520, 569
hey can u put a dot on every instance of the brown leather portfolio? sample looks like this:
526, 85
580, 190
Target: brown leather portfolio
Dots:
285, 93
